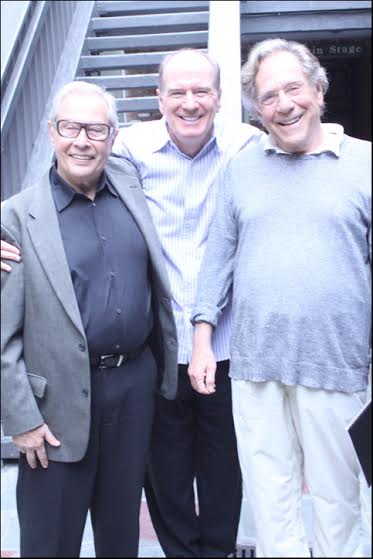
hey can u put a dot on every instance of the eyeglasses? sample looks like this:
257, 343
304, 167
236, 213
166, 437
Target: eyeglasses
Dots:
69, 129
292, 90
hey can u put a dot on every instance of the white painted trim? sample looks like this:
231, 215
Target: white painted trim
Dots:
225, 46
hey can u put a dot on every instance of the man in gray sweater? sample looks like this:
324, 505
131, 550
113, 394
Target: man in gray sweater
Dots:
292, 237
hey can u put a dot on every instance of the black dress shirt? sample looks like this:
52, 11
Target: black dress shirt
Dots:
109, 265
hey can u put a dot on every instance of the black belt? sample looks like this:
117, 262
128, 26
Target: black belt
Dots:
116, 359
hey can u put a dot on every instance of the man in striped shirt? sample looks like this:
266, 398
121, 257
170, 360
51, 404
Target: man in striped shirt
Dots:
180, 159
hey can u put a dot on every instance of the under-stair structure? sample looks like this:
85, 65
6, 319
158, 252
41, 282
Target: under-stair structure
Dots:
120, 44
126, 42
116, 44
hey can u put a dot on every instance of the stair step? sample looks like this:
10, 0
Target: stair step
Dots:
149, 6
188, 39
158, 26
134, 104
121, 61
127, 24
123, 82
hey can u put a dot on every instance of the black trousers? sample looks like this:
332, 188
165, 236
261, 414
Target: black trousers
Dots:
193, 439
53, 503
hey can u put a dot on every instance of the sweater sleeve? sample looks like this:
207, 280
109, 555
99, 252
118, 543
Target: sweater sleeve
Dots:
216, 274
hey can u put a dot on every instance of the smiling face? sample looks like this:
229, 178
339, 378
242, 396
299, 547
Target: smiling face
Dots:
288, 106
190, 100
80, 161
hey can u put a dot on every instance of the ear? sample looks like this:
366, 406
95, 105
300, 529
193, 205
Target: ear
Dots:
160, 101
51, 131
258, 115
218, 104
113, 137
319, 93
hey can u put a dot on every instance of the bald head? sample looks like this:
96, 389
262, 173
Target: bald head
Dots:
188, 59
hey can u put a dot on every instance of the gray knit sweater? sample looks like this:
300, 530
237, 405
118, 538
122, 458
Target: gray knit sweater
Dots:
291, 236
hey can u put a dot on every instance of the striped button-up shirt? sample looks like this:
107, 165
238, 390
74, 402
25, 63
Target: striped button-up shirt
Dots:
181, 192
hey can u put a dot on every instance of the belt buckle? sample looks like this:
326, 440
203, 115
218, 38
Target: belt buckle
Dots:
120, 360
102, 358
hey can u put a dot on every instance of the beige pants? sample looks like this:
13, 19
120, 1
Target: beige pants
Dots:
288, 436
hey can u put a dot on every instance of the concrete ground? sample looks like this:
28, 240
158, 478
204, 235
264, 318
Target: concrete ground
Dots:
148, 546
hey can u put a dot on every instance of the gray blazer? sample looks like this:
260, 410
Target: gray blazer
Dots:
45, 371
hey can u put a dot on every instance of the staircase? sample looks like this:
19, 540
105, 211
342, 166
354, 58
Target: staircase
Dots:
116, 44
120, 45
125, 43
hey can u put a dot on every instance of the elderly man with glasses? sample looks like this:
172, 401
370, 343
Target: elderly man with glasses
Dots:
81, 316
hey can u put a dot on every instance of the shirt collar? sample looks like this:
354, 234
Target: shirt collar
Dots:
221, 133
333, 136
64, 193
163, 137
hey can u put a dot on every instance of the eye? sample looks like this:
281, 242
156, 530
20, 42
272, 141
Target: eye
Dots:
201, 92
294, 89
269, 98
97, 129
71, 126
176, 94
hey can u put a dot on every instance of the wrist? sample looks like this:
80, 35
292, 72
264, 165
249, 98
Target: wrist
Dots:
202, 335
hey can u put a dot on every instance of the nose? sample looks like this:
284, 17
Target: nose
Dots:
190, 101
82, 138
284, 102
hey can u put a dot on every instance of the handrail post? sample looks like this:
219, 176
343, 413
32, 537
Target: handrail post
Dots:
224, 45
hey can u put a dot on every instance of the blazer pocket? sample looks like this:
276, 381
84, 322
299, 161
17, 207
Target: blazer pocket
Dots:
38, 384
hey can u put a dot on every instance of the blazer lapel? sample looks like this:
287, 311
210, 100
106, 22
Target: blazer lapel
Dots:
45, 234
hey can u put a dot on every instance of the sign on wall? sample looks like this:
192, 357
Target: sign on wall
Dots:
345, 49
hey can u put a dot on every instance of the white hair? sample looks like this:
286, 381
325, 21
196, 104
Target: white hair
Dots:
310, 64
81, 88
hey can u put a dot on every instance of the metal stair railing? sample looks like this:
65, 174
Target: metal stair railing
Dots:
46, 56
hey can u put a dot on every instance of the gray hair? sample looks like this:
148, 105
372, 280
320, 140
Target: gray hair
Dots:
310, 64
81, 88
168, 57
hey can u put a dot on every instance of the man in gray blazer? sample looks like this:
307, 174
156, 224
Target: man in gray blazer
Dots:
88, 337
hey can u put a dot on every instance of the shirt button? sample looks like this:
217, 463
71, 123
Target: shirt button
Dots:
112, 274
103, 238
117, 346
119, 311
94, 204
82, 347
85, 391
